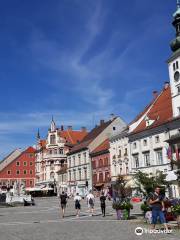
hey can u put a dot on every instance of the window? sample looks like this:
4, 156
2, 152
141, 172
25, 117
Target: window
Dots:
25, 163
134, 145
69, 160
114, 128
178, 110
69, 175
174, 66
17, 163
31, 172
61, 151
145, 142
136, 161
157, 139
75, 175
159, 157
84, 157
177, 65
74, 161
31, 183
9, 172
101, 177
178, 89
52, 139
127, 169
94, 178
119, 153
25, 172
18, 172
31, 163
85, 173
147, 159
126, 152
79, 174
79, 157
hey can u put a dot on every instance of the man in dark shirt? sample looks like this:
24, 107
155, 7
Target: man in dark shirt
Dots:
103, 204
157, 205
63, 202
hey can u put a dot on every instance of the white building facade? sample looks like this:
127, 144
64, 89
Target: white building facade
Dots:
79, 160
120, 156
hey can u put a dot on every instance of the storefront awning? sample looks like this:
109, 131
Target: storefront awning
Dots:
99, 185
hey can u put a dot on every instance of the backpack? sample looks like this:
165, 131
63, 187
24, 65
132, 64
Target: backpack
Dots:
63, 199
91, 201
77, 202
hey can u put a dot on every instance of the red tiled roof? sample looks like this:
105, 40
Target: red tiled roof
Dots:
30, 150
43, 143
72, 137
90, 137
160, 112
102, 147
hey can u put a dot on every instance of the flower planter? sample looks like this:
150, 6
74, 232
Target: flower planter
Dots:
119, 214
178, 220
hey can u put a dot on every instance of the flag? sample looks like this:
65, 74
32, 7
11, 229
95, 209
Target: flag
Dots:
169, 152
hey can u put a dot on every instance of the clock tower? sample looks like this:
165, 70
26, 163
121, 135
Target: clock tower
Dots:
174, 64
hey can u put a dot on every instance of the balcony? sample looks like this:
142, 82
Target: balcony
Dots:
54, 156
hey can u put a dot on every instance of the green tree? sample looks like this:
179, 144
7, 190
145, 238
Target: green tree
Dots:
146, 184
120, 188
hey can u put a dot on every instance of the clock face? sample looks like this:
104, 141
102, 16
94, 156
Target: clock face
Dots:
176, 76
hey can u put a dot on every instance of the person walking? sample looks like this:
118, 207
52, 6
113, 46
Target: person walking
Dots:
77, 200
103, 204
63, 202
157, 206
90, 201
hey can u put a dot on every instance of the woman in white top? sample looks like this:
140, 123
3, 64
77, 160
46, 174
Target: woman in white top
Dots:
90, 202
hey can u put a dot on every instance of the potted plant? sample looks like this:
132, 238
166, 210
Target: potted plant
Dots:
127, 206
145, 208
118, 206
176, 209
122, 209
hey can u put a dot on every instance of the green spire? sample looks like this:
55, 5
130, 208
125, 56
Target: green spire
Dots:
178, 4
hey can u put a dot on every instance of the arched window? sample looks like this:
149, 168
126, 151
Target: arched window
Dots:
52, 175
52, 139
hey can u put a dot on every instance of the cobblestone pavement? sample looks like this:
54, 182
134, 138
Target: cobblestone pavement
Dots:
44, 222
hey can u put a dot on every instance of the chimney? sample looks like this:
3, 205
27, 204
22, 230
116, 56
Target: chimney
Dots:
101, 122
83, 129
70, 128
166, 85
155, 94
62, 128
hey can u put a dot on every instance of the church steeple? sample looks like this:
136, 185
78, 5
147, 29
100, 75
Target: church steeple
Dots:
38, 135
175, 44
53, 125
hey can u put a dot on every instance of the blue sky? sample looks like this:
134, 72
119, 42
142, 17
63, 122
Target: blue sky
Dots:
79, 60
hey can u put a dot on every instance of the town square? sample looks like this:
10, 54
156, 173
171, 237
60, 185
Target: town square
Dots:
90, 120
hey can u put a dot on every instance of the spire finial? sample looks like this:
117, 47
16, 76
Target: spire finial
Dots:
38, 134
53, 125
